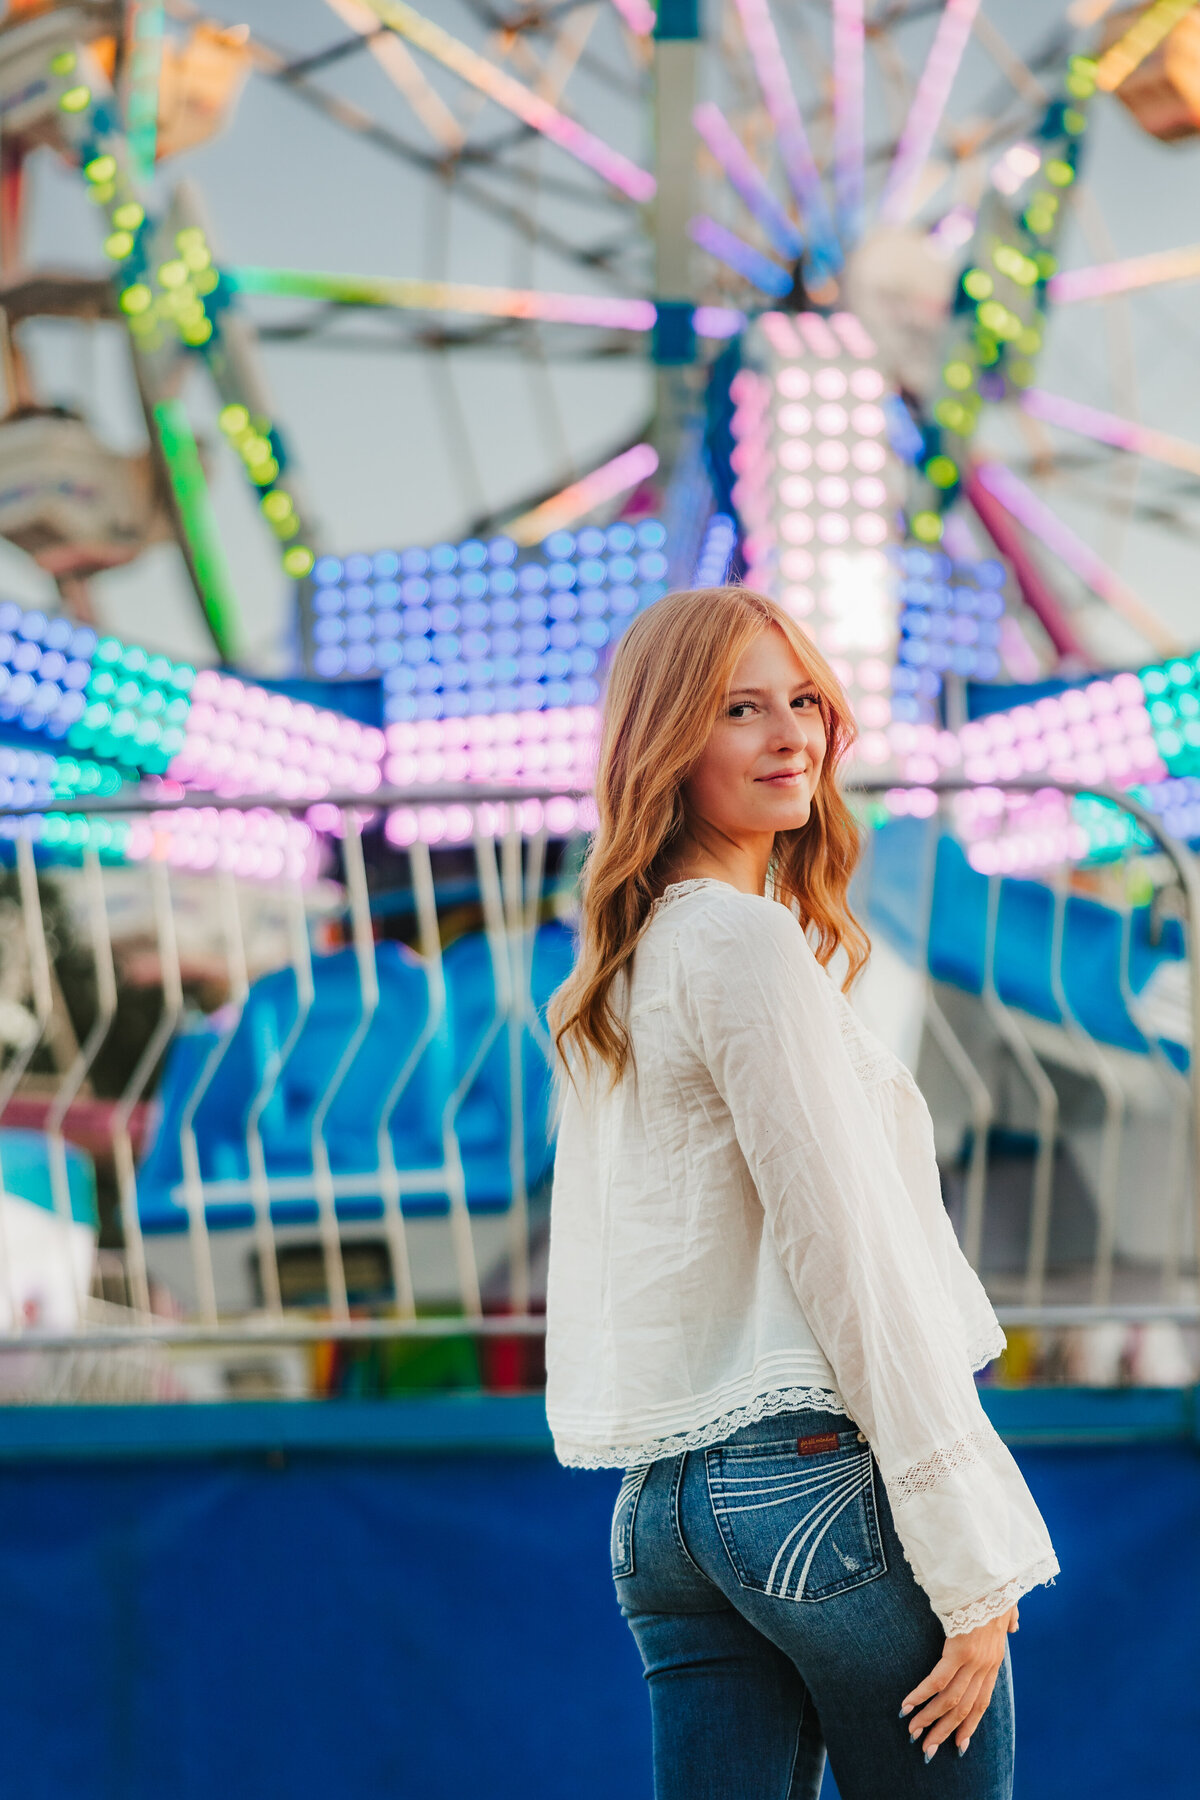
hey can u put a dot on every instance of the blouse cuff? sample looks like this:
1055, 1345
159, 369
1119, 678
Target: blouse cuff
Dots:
970, 1529
1001, 1600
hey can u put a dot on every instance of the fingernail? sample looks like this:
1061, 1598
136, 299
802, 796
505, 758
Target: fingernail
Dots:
904, 1711
963, 1748
930, 1754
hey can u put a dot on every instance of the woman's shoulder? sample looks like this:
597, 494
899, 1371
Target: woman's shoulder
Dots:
709, 912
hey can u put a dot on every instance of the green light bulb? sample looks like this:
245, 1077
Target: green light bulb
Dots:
136, 299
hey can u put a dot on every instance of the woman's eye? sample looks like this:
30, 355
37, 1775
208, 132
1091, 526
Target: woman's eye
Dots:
805, 700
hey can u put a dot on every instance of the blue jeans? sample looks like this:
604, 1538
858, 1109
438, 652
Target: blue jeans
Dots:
776, 1615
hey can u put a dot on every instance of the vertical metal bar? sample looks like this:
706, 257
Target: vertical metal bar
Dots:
260, 1187
363, 939
42, 994
1114, 1107
76, 1075
391, 1183
193, 1181
135, 1087
461, 1239
1175, 1088
1047, 1108
520, 952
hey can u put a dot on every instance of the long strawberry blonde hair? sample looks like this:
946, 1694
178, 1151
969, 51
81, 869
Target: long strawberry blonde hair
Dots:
668, 681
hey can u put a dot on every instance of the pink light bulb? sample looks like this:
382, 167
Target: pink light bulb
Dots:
1103, 697
832, 420
1128, 689
796, 528
833, 491
792, 383
797, 600
795, 491
560, 816
870, 492
833, 528
868, 455
460, 824
401, 827
870, 528
868, 420
794, 453
866, 384
830, 384
796, 420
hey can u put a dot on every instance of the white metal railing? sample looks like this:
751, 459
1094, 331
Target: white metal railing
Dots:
238, 1207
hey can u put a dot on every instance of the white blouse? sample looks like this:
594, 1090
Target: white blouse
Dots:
750, 1221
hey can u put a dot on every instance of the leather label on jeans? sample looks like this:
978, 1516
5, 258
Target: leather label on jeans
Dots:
814, 1446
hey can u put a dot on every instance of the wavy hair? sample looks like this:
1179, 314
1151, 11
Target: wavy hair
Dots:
667, 683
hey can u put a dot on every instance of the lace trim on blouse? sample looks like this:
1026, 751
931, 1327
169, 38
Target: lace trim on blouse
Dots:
762, 1406
1002, 1599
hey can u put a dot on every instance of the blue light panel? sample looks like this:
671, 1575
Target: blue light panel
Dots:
950, 616
482, 627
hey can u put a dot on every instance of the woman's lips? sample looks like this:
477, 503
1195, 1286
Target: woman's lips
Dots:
784, 778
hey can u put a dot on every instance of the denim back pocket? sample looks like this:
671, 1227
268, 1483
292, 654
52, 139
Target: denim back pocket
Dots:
798, 1526
622, 1520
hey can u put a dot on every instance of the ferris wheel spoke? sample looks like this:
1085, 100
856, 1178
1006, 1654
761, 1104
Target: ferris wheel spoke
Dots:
795, 153
403, 70
746, 179
611, 479
849, 77
448, 296
927, 110
1159, 269
1044, 524
496, 85
768, 276
1108, 428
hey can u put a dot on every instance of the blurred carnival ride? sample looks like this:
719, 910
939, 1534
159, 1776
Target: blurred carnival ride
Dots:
276, 953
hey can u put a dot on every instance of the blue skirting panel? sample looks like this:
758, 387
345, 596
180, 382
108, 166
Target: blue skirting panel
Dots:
281, 1612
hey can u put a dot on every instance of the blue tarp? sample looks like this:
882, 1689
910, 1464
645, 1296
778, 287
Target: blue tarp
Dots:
385, 1627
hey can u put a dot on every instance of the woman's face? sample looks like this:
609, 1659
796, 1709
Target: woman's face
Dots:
760, 768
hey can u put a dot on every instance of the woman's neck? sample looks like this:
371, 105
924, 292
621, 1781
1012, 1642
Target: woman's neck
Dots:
743, 865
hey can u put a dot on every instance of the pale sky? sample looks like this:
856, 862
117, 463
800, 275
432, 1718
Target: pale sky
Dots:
369, 427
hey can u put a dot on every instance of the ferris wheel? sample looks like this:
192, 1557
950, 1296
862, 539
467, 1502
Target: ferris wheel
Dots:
668, 177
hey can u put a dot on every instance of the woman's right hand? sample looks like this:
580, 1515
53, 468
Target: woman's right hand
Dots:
954, 1695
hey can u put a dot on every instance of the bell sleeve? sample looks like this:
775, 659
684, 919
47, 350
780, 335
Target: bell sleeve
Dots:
763, 1017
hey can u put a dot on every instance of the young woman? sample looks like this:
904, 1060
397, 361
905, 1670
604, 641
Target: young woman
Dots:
757, 1306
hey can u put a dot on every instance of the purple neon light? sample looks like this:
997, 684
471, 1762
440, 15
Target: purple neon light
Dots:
1105, 583
746, 179
737, 254
848, 92
925, 113
1107, 428
718, 321
795, 152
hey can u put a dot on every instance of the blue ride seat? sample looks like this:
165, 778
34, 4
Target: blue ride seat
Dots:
285, 1124
484, 1119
